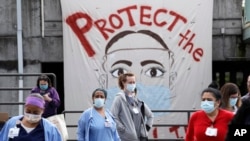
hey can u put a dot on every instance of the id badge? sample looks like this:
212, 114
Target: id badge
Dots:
13, 132
211, 131
107, 124
135, 110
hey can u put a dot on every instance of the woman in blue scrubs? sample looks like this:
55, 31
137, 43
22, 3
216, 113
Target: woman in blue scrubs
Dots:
97, 123
30, 126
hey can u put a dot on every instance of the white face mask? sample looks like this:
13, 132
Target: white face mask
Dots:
31, 118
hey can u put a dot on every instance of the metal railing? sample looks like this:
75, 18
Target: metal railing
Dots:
24, 88
188, 112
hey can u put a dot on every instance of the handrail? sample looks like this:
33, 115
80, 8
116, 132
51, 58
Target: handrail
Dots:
160, 125
29, 74
154, 125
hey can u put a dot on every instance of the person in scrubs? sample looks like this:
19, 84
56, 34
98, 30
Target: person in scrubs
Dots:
30, 126
97, 123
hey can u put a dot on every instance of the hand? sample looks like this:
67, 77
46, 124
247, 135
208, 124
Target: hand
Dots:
46, 97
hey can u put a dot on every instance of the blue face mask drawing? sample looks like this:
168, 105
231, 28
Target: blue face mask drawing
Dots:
156, 97
112, 92
44, 87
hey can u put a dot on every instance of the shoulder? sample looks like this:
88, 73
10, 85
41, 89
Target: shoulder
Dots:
120, 95
14, 119
198, 113
226, 113
245, 96
52, 89
47, 123
87, 112
35, 89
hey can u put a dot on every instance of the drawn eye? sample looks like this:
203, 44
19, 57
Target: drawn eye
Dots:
155, 72
117, 72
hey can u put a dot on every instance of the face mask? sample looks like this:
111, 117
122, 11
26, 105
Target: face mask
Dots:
207, 106
131, 87
32, 118
156, 97
233, 101
43, 87
98, 102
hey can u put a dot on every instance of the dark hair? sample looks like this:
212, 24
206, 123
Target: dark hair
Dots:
44, 78
227, 90
123, 78
144, 32
214, 84
100, 89
216, 93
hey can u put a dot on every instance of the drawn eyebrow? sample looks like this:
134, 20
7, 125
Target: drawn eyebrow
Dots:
129, 63
143, 63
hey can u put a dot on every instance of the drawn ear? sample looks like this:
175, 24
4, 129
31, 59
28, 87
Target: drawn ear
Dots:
103, 81
172, 78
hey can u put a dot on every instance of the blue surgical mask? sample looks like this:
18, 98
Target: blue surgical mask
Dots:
99, 102
156, 97
130, 87
44, 87
207, 106
233, 101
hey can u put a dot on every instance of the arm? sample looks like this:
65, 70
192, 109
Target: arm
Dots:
116, 136
115, 110
4, 132
149, 117
55, 102
190, 129
81, 128
51, 132
9, 124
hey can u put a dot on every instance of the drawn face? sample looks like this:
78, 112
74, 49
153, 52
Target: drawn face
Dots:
150, 62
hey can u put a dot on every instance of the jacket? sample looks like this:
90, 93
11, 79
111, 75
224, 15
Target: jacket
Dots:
50, 107
124, 121
51, 133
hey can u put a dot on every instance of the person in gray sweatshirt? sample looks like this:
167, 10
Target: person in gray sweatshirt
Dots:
132, 116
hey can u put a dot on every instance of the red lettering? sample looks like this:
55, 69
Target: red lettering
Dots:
144, 15
189, 43
175, 130
112, 17
155, 133
80, 32
177, 18
128, 12
100, 25
157, 12
197, 54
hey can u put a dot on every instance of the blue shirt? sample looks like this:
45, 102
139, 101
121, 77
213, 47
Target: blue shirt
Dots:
50, 132
93, 127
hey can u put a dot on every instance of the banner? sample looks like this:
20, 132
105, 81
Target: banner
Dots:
167, 44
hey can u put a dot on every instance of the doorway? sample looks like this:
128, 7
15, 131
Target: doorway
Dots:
57, 69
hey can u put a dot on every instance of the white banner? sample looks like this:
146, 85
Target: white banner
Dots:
167, 44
